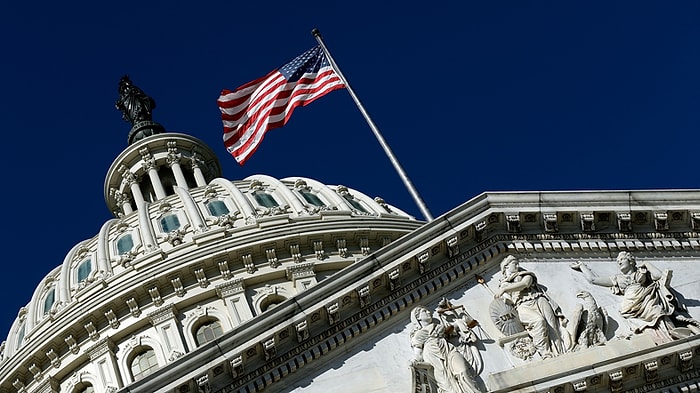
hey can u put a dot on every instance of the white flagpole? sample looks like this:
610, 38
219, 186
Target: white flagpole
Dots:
317, 34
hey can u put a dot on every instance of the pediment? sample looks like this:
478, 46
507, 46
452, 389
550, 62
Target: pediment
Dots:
356, 325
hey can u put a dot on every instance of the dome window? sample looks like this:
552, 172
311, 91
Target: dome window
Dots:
265, 199
125, 244
357, 205
86, 389
169, 223
84, 270
49, 300
144, 363
208, 332
20, 337
312, 198
217, 208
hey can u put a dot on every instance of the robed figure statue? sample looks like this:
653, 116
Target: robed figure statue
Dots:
135, 105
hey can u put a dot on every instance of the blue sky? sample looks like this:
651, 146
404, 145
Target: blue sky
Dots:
471, 97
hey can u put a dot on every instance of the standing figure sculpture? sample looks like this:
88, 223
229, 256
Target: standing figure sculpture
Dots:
137, 109
541, 317
135, 105
647, 301
451, 371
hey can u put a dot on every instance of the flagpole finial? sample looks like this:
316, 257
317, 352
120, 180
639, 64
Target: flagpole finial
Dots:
315, 32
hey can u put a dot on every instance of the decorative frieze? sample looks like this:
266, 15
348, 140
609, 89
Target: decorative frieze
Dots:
163, 314
104, 346
302, 270
230, 288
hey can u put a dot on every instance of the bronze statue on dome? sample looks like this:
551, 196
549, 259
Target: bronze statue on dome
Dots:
137, 109
135, 105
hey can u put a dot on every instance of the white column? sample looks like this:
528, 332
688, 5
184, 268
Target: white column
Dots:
198, 175
151, 167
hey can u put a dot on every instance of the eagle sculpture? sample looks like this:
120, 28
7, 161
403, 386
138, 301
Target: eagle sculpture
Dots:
590, 322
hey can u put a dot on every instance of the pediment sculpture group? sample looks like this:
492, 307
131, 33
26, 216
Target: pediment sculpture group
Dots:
533, 325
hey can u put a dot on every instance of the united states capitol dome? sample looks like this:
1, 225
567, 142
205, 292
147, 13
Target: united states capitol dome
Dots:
187, 257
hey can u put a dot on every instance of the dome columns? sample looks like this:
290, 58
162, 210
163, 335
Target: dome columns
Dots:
149, 165
151, 168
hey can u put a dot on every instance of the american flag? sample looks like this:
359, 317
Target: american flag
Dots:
266, 103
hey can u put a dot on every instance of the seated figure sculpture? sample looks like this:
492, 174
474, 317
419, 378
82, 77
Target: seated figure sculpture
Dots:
451, 370
540, 316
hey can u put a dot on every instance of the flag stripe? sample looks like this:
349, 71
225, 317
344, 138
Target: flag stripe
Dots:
277, 116
258, 106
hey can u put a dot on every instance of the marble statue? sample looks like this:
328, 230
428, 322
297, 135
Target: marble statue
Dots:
648, 303
540, 316
589, 322
451, 371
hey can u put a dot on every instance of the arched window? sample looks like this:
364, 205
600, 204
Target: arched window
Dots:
217, 208
271, 302
144, 363
84, 388
170, 223
208, 331
124, 244
49, 300
265, 199
84, 270
312, 198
